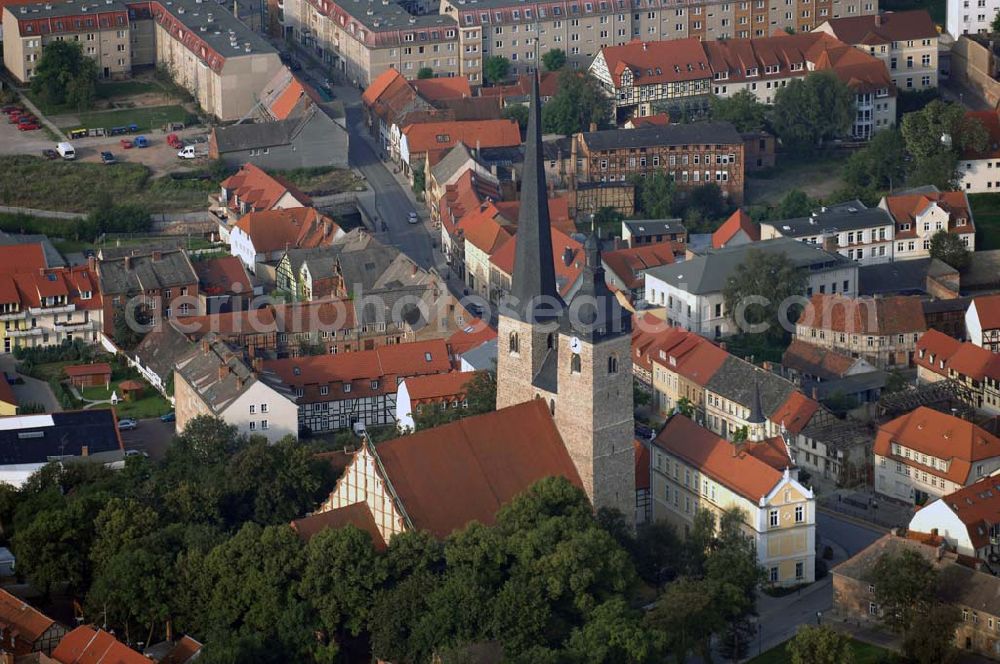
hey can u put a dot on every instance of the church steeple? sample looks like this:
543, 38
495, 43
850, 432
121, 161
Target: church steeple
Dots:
534, 295
595, 313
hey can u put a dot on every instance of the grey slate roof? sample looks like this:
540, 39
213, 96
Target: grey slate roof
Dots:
172, 268
450, 164
847, 216
483, 357
654, 226
363, 269
696, 133
901, 277
735, 381
260, 134
708, 273
391, 16
200, 368
161, 348
32, 439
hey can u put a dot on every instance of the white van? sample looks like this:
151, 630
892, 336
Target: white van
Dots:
66, 151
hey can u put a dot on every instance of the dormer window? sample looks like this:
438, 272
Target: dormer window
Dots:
347, 387
324, 390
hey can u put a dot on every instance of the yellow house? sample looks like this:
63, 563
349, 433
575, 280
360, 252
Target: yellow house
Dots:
8, 402
693, 469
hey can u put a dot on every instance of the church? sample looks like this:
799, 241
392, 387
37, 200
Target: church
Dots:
564, 402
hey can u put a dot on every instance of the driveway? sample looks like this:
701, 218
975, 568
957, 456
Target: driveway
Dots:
851, 535
14, 141
32, 390
151, 436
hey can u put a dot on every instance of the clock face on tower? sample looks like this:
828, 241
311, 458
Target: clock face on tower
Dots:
574, 344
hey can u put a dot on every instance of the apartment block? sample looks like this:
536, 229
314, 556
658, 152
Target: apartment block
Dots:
919, 214
851, 229
970, 17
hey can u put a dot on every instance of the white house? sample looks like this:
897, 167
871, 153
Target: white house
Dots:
982, 322
852, 229
968, 518
923, 212
441, 391
261, 237
967, 18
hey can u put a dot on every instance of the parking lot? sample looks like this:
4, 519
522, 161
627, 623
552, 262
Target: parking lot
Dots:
14, 141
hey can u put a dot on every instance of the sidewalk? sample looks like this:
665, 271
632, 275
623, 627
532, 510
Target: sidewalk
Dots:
44, 119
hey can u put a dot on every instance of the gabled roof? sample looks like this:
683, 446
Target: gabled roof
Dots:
743, 473
146, 271
988, 311
482, 229
559, 217
658, 119
884, 28
795, 413
357, 515
942, 354
439, 136
653, 63
484, 460
20, 618
438, 89
473, 335
978, 507
286, 96
548, 86
94, 369
433, 388
629, 264
959, 442
687, 354
735, 381
251, 135
878, 316
905, 208
85, 645
813, 360
222, 275
738, 221
380, 85
458, 158
22, 258
697, 133
567, 259
261, 190
215, 372
273, 230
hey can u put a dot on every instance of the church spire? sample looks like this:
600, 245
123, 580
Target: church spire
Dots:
534, 296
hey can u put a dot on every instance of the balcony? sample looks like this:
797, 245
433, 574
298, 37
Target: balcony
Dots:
76, 326
14, 315
61, 309
30, 332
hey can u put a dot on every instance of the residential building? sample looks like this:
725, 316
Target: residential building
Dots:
49, 306
458, 163
691, 291
430, 391
693, 469
947, 315
223, 285
85, 435
156, 283
86, 644
977, 370
338, 326
905, 41
355, 514
973, 593
260, 237
979, 171
681, 364
423, 145
387, 102
736, 230
636, 232
691, 154
213, 380
882, 330
927, 454
481, 233
568, 258
25, 628
252, 189
811, 362
625, 268
918, 215
982, 322
645, 78
853, 230
920, 276
971, 20
467, 194
334, 392
968, 520
156, 356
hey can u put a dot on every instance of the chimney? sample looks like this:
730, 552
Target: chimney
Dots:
815, 394
157, 255
128, 262
85, 450
92, 262
878, 20
223, 371
593, 126
567, 256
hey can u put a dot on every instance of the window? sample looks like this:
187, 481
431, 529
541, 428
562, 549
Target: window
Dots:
773, 575
513, 343
872, 609
253, 426
799, 570
374, 384
263, 424
800, 513
347, 387
612, 364
263, 408
773, 518
324, 390
252, 409
574, 363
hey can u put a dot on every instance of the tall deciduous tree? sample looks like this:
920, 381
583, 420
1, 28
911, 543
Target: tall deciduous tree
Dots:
742, 109
65, 75
496, 68
935, 136
932, 641
948, 247
754, 293
810, 110
820, 645
879, 166
656, 195
686, 617
904, 587
554, 60
578, 103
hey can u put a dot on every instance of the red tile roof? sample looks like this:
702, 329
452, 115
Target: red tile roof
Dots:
380, 85
941, 354
85, 645
438, 89
884, 28
658, 62
282, 107
687, 354
657, 120
484, 229
741, 472
563, 247
386, 364
988, 311
7, 393
438, 137
435, 388
272, 230
796, 412
959, 442
95, 369
878, 316
259, 189
548, 86
473, 335
771, 451
22, 258
468, 193
357, 515
905, 209
230, 323
222, 275
26, 622
628, 264
316, 316
738, 221
558, 213
978, 507
484, 461
29, 289
824, 363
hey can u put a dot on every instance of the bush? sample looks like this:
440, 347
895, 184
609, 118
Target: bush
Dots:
67, 351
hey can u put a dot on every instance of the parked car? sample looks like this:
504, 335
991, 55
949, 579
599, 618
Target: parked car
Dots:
168, 417
126, 143
127, 424
134, 453
66, 151
10, 108
141, 142
108, 158
193, 152
50, 154
175, 142
31, 126
27, 119
412, 218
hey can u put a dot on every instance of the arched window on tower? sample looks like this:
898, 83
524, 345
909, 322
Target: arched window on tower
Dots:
574, 363
612, 364
514, 343
550, 342
552, 406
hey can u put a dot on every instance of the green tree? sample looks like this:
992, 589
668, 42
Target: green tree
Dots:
932, 641
756, 290
808, 111
686, 617
121, 525
132, 589
685, 407
516, 112
732, 565
48, 550
554, 60
419, 181
819, 645
424, 73
613, 633
948, 247
481, 395
880, 166
904, 586
579, 103
995, 24
794, 204
934, 137
705, 206
655, 195
742, 110
64, 75
496, 68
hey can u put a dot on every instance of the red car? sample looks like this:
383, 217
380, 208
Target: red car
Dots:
13, 118
175, 142
27, 119
10, 109
28, 127
126, 144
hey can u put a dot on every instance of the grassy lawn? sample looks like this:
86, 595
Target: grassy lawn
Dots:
107, 90
323, 180
73, 186
986, 213
864, 653
147, 118
150, 405
816, 173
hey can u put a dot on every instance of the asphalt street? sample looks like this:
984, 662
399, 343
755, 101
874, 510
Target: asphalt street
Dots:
851, 535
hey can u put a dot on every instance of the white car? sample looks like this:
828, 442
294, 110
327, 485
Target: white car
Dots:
413, 218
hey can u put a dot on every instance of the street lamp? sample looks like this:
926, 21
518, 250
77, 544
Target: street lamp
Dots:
819, 617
